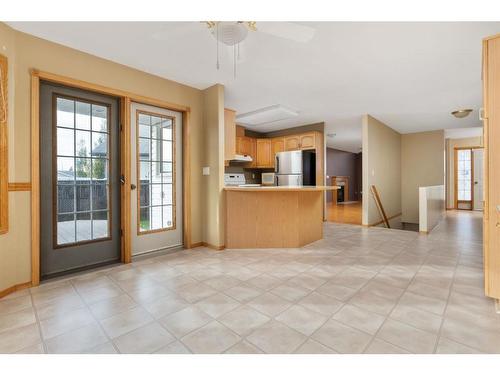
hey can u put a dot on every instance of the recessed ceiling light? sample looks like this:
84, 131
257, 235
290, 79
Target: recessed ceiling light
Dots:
461, 113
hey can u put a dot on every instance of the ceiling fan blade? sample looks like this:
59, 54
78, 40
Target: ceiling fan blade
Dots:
287, 30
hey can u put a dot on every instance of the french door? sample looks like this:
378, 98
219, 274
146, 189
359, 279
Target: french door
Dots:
469, 171
79, 179
156, 159
478, 178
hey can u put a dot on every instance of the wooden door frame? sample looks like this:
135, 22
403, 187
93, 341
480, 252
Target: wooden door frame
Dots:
455, 176
126, 98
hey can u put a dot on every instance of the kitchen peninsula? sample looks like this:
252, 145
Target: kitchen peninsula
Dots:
274, 216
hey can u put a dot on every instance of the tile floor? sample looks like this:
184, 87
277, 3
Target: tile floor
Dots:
357, 291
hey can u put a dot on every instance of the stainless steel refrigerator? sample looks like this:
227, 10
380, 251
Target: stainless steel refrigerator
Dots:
295, 168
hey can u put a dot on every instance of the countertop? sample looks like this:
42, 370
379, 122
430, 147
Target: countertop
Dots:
280, 188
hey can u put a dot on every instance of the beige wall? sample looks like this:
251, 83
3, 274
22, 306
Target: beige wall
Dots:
26, 52
450, 164
382, 168
213, 99
422, 164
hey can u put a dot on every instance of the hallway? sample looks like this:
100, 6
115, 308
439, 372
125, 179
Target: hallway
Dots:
345, 213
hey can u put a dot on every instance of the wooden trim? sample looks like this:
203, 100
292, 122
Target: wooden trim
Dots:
455, 177
14, 288
491, 37
19, 186
125, 160
186, 177
126, 99
35, 180
206, 244
4, 155
51, 77
213, 247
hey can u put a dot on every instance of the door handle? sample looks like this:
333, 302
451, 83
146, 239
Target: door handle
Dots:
132, 187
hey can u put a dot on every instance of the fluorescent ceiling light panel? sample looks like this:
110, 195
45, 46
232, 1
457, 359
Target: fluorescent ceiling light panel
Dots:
266, 115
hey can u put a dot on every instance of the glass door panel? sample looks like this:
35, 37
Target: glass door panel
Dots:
81, 180
155, 163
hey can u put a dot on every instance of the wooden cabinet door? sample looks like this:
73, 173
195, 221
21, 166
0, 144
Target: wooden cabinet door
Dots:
253, 153
292, 143
229, 134
277, 145
307, 141
264, 153
245, 146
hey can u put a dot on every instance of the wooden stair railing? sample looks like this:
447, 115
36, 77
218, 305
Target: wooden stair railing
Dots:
379, 206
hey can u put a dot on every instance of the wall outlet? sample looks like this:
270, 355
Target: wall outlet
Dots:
206, 171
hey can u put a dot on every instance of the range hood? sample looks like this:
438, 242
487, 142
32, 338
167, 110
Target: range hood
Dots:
242, 158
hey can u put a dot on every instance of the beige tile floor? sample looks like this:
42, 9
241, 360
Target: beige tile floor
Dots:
357, 291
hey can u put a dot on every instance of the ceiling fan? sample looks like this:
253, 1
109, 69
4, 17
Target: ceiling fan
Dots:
232, 33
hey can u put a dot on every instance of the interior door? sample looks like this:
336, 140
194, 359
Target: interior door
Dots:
79, 179
478, 179
156, 159
463, 179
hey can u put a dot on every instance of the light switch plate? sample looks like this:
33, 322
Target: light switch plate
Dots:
206, 171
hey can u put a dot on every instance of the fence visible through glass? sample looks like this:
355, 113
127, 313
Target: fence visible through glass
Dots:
82, 180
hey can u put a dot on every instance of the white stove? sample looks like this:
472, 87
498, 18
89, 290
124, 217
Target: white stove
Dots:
237, 179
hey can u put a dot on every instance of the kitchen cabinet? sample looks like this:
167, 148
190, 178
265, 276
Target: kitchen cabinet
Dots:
305, 141
229, 134
308, 141
264, 155
292, 143
277, 145
244, 145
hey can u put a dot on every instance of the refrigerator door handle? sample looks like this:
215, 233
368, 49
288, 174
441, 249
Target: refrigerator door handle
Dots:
277, 164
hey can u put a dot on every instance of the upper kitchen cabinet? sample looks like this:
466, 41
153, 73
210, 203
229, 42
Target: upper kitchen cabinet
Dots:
244, 146
308, 141
292, 143
229, 134
264, 155
305, 141
277, 145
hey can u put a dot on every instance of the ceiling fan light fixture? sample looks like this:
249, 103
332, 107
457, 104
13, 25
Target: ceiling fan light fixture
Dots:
461, 113
229, 33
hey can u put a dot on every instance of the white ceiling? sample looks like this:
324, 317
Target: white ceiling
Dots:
408, 75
